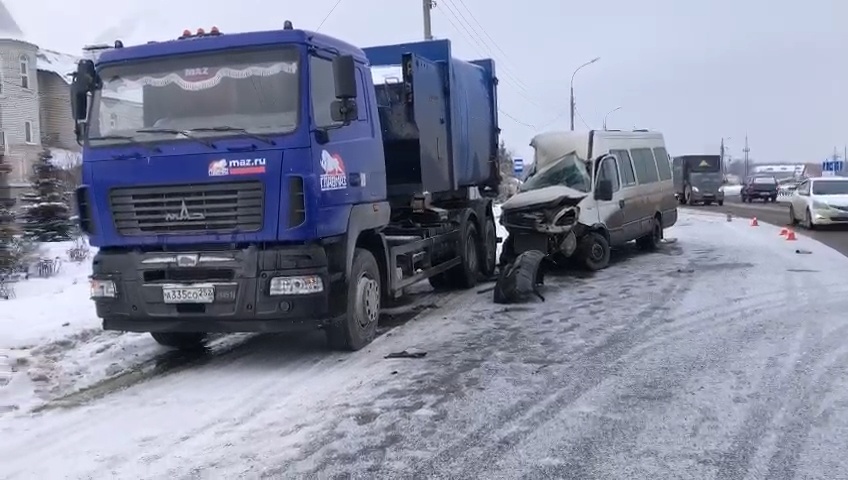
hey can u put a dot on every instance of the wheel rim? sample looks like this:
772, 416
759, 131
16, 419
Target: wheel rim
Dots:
597, 252
471, 254
367, 300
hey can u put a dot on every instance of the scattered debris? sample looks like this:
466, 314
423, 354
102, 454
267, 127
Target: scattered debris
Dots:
729, 217
521, 278
668, 240
803, 252
406, 354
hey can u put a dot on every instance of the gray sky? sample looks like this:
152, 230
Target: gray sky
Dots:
695, 70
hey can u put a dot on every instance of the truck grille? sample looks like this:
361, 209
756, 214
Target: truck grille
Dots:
179, 209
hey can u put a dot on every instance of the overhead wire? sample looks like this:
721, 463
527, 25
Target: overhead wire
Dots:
454, 16
330, 13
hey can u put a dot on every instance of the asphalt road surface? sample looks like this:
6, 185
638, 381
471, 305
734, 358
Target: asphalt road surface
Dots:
778, 214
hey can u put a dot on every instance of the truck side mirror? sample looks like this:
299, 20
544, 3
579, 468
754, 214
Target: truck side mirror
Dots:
604, 190
84, 83
344, 77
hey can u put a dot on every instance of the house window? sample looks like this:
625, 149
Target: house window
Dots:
113, 121
28, 133
24, 71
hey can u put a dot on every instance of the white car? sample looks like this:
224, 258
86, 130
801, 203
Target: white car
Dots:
820, 201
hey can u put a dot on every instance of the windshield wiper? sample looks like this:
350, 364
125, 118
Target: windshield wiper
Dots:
227, 128
184, 133
128, 139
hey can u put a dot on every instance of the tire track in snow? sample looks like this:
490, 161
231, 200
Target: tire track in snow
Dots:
775, 430
473, 452
657, 334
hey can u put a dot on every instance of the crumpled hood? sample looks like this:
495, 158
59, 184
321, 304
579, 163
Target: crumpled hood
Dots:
544, 196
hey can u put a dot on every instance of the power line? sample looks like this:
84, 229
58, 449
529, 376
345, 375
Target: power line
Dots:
471, 33
453, 17
483, 29
328, 15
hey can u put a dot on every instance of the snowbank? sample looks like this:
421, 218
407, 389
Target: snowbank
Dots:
51, 341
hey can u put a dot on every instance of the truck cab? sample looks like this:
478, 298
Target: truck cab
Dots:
237, 182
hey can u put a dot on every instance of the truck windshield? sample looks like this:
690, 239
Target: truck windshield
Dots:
220, 94
569, 171
830, 187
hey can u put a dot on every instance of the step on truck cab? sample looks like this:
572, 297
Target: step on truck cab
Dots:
264, 182
591, 191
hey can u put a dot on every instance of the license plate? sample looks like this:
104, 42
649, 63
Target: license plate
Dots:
188, 294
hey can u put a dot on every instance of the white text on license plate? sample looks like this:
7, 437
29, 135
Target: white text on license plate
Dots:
188, 294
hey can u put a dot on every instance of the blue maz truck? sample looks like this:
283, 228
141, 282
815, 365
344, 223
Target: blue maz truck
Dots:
264, 182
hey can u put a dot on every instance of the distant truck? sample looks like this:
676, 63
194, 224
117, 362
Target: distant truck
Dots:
698, 179
281, 180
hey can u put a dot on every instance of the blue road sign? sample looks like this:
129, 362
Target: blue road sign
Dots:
518, 166
833, 166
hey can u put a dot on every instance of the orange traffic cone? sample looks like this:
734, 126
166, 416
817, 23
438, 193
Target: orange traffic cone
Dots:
784, 232
754, 222
791, 236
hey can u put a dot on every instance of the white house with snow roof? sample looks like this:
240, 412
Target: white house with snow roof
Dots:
35, 107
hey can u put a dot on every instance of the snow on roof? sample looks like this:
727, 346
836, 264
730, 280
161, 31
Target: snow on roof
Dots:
61, 64
9, 28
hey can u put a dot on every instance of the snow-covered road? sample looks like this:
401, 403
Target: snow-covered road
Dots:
722, 356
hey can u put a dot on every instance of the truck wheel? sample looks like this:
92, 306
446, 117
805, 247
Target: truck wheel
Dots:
180, 340
651, 241
594, 251
359, 325
490, 249
465, 274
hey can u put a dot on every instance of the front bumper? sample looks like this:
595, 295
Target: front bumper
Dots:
830, 216
707, 196
241, 281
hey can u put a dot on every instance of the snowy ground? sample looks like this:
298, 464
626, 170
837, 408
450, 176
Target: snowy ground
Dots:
51, 342
719, 356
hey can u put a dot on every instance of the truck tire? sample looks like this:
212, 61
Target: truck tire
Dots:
594, 251
465, 274
358, 327
490, 249
180, 340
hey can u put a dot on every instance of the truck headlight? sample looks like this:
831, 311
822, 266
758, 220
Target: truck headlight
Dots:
102, 288
296, 285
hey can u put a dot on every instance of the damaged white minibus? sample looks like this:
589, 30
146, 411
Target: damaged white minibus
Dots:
589, 191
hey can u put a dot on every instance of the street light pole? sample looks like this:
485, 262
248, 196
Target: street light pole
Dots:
607, 115
573, 105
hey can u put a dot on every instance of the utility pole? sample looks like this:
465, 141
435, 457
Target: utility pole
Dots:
428, 25
721, 158
746, 150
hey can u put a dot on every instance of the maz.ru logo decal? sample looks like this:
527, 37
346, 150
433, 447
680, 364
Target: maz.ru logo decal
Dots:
243, 166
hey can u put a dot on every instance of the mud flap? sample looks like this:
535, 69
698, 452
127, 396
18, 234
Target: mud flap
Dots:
521, 279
